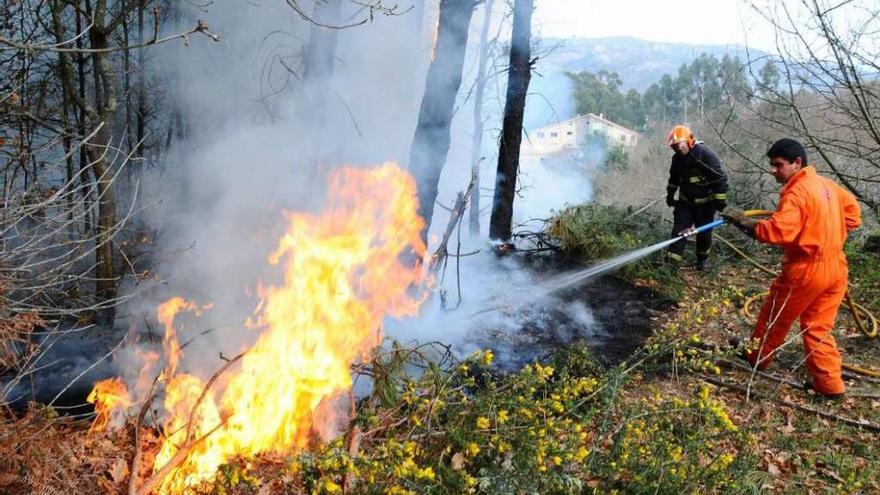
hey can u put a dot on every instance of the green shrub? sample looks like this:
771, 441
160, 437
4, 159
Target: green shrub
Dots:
591, 233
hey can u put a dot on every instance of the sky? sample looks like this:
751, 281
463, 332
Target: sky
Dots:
720, 22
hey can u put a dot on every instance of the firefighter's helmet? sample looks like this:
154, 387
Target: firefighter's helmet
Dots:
681, 133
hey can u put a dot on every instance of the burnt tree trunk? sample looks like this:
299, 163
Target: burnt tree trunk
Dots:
477, 142
500, 223
431, 141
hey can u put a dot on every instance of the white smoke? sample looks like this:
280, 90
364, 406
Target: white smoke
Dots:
248, 155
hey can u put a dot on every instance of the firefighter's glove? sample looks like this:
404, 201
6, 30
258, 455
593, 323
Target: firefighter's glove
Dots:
739, 219
670, 200
720, 205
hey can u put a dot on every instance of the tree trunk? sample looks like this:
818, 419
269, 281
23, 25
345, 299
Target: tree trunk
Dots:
81, 120
431, 141
477, 142
317, 75
417, 19
126, 88
320, 50
141, 113
101, 112
500, 223
105, 108
105, 285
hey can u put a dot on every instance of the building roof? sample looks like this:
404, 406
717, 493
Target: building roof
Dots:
590, 116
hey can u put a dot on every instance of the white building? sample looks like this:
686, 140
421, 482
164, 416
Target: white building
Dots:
572, 133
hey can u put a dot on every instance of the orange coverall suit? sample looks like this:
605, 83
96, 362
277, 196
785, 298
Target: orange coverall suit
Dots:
810, 224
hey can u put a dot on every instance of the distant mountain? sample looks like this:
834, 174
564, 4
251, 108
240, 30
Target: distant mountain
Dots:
638, 62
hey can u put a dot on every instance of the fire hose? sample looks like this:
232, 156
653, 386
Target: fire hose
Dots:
859, 312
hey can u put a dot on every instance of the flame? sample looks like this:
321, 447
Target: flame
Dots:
343, 271
111, 400
165, 313
434, 40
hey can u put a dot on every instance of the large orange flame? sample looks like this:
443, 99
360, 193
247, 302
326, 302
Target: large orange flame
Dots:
343, 271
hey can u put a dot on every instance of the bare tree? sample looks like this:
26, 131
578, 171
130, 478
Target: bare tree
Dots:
431, 141
75, 54
826, 93
500, 223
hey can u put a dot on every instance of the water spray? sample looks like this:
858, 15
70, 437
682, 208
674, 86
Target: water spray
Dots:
570, 279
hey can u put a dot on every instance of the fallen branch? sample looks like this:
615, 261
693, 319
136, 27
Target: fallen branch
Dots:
188, 443
851, 422
174, 462
784, 381
354, 442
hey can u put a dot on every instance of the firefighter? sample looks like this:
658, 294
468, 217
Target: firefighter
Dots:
810, 224
702, 190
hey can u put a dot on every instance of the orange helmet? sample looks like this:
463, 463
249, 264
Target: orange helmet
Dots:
681, 133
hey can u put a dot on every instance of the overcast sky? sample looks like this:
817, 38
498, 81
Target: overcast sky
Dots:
689, 21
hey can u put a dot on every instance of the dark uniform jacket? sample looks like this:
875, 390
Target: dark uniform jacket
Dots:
698, 177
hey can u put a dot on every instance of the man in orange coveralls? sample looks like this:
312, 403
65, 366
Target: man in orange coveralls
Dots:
810, 224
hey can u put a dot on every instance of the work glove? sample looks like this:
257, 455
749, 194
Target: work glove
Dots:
670, 200
738, 219
720, 205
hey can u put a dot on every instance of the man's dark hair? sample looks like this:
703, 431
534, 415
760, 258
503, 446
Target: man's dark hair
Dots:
788, 149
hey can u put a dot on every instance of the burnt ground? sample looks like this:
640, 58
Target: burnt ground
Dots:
63, 373
611, 316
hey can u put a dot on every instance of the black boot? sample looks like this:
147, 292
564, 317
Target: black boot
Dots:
702, 264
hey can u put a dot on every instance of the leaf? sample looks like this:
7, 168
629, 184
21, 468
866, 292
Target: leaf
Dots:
788, 428
118, 470
458, 460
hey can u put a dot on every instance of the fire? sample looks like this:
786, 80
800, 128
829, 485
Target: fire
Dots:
111, 401
165, 313
343, 271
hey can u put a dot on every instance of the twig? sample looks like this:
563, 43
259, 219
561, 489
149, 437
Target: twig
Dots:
457, 212
200, 27
205, 389
90, 368
133, 471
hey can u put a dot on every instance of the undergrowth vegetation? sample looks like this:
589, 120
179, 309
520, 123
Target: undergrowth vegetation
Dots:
671, 418
567, 426
591, 233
